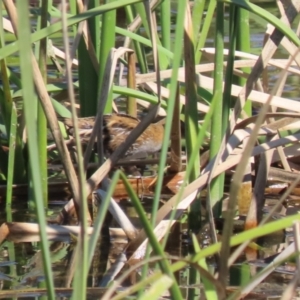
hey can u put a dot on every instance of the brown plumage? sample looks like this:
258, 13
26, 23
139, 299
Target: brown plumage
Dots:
116, 128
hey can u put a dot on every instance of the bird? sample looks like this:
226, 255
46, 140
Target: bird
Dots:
116, 128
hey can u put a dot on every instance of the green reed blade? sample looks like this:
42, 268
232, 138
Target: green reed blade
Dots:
209, 288
138, 94
197, 16
191, 132
165, 15
94, 26
233, 29
11, 155
88, 88
24, 30
108, 36
216, 188
171, 104
204, 32
191, 111
220, 118
158, 250
81, 253
41, 118
225, 119
98, 223
243, 44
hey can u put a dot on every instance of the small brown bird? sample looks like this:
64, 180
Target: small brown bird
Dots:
116, 128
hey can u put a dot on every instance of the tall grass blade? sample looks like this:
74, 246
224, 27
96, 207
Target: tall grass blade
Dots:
216, 187
181, 8
233, 29
226, 111
191, 113
80, 280
197, 16
165, 9
108, 37
102, 211
88, 88
164, 264
209, 288
151, 22
11, 156
41, 118
175, 200
28, 93
191, 131
175, 147
243, 44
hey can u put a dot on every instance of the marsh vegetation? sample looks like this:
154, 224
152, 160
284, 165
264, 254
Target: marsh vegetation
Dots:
219, 119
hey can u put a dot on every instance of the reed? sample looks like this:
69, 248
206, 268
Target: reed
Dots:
26, 59
168, 68
217, 131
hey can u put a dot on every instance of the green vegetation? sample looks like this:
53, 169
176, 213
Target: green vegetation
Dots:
167, 66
